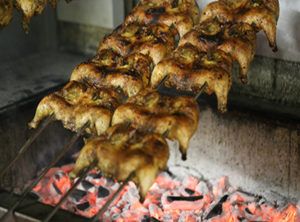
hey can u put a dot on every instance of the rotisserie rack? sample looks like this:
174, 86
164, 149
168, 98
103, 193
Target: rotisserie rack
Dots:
113, 99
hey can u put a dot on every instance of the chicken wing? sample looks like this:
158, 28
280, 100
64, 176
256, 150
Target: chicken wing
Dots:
262, 14
131, 73
154, 40
6, 12
238, 40
174, 117
188, 70
123, 150
78, 103
182, 14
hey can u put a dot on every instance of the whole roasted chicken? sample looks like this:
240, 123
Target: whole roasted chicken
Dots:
188, 69
182, 14
77, 104
155, 40
261, 14
238, 40
123, 150
108, 69
29, 8
174, 117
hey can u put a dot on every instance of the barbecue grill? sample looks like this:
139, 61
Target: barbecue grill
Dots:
256, 143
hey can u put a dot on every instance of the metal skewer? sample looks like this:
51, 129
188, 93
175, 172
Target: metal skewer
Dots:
70, 191
203, 87
113, 197
27, 144
8, 216
161, 83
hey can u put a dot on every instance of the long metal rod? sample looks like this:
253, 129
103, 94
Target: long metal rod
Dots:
9, 214
27, 144
70, 191
162, 82
113, 197
203, 87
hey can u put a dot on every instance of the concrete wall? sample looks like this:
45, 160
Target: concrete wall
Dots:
259, 155
15, 43
101, 13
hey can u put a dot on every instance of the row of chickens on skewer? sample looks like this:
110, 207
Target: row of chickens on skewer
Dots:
160, 42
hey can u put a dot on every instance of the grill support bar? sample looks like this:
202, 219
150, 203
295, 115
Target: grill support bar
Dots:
9, 216
27, 144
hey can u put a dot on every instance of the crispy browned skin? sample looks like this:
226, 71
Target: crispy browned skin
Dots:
238, 40
174, 117
78, 103
29, 8
154, 40
6, 12
131, 73
217, 10
262, 14
182, 14
123, 150
188, 69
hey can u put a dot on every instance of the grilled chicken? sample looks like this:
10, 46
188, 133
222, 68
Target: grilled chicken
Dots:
219, 10
154, 40
124, 150
182, 14
131, 74
238, 40
262, 14
76, 104
30, 8
174, 117
6, 12
188, 70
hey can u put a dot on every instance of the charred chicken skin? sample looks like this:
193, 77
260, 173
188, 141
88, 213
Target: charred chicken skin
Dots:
174, 117
131, 73
6, 12
76, 104
188, 69
261, 14
238, 40
123, 150
182, 14
154, 40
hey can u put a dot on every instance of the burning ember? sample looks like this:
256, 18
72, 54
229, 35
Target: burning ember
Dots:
169, 199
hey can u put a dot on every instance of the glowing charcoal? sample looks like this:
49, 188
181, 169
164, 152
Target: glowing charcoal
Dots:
83, 206
169, 200
102, 192
78, 195
189, 191
57, 190
87, 185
